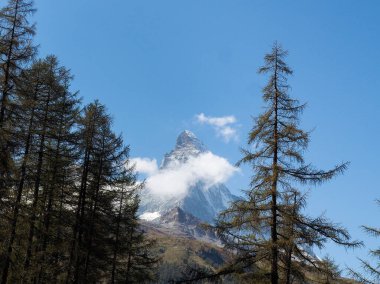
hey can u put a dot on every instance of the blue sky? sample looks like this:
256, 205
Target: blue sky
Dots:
157, 64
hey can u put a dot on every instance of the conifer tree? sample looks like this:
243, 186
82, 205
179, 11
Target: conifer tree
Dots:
47, 112
268, 230
68, 198
16, 51
50, 97
105, 231
59, 178
28, 93
16, 47
134, 258
371, 273
331, 272
93, 118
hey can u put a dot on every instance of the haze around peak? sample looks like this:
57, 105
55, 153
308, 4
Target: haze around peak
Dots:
184, 167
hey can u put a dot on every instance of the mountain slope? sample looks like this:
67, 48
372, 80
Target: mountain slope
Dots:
201, 200
178, 223
183, 243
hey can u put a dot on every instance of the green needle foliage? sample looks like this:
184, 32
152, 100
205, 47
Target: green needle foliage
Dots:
16, 52
68, 196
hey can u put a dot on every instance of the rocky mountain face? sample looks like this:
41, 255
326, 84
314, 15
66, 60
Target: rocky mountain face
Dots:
200, 201
184, 243
188, 145
178, 223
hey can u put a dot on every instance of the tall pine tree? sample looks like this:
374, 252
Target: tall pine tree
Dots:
105, 231
268, 230
371, 273
134, 258
16, 51
47, 112
68, 198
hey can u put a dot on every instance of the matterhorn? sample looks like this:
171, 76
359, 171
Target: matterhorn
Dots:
200, 200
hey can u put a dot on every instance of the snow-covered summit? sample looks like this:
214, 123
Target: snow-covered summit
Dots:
187, 139
188, 145
201, 200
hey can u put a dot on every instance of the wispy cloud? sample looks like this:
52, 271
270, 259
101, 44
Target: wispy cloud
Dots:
225, 126
176, 179
145, 165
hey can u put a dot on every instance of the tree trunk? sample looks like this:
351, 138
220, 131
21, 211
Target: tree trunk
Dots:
117, 238
6, 87
78, 223
36, 187
92, 217
74, 253
290, 249
48, 213
274, 267
19, 196
129, 264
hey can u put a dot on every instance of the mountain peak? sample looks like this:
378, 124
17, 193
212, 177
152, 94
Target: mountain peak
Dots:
202, 201
187, 139
188, 145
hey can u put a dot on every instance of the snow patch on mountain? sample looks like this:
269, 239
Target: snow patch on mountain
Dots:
150, 216
191, 178
187, 166
176, 222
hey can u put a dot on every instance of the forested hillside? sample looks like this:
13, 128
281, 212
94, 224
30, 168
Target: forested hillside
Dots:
68, 195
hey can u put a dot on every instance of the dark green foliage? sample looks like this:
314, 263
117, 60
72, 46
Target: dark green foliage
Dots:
134, 259
16, 50
106, 237
69, 198
65, 181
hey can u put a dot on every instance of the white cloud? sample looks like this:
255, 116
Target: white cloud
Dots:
224, 125
176, 179
228, 133
145, 165
216, 121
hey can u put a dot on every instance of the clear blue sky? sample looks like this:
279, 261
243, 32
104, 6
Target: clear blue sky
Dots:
156, 64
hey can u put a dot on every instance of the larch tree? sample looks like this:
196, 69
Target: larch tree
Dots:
268, 230
59, 176
90, 147
371, 273
134, 255
105, 230
50, 98
16, 51
28, 92
68, 197
44, 130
